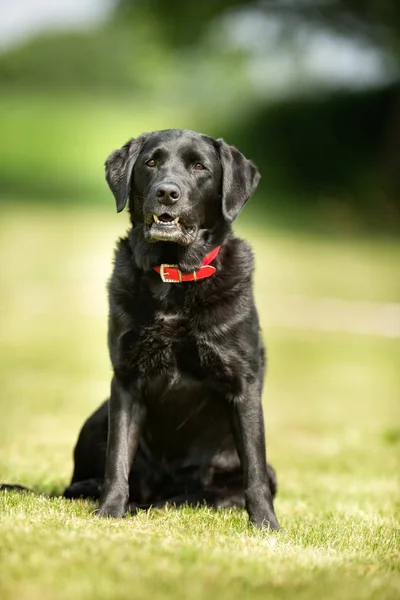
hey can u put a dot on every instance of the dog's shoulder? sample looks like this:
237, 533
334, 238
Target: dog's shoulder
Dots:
124, 274
239, 254
123, 255
235, 267
226, 297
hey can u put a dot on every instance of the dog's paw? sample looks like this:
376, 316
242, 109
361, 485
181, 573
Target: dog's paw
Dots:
265, 520
110, 511
261, 509
89, 488
114, 508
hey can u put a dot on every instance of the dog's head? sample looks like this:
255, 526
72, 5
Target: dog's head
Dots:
179, 182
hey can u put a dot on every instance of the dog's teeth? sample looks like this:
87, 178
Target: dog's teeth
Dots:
155, 218
176, 220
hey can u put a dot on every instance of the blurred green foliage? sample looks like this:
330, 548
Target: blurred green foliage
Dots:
328, 157
185, 22
328, 153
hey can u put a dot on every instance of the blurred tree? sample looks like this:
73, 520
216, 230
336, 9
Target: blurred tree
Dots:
183, 23
318, 144
333, 157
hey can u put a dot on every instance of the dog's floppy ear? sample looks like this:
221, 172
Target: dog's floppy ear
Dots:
119, 166
240, 178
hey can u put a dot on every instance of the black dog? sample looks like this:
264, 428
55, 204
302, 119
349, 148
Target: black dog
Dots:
184, 339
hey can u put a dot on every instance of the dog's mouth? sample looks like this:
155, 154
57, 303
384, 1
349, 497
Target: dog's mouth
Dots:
166, 220
168, 228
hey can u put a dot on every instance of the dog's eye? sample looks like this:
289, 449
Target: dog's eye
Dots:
151, 163
199, 167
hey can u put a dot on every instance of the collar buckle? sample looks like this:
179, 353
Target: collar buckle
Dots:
167, 279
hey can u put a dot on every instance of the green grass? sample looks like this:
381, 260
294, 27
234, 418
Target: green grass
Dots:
333, 427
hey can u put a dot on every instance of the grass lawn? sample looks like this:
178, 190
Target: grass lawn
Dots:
333, 425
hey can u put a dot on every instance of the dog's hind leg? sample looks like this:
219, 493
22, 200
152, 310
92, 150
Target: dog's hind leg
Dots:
88, 488
90, 457
91, 446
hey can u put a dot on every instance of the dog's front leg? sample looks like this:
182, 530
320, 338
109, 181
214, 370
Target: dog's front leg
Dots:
125, 420
248, 430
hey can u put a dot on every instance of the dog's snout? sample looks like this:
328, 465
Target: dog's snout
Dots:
168, 193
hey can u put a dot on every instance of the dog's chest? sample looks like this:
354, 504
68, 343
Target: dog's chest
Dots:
170, 343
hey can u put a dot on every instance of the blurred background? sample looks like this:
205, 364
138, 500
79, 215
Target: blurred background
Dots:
309, 90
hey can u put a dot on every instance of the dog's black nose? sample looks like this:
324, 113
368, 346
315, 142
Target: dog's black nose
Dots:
168, 193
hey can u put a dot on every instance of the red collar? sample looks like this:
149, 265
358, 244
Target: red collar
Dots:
171, 273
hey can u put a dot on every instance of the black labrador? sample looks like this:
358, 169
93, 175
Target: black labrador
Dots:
184, 423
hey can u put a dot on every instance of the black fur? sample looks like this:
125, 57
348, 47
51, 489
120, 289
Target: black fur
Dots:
188, 359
